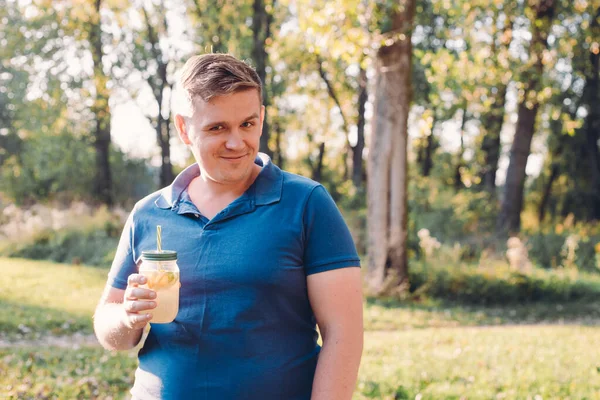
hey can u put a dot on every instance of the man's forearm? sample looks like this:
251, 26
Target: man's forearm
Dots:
337, 368
111, 331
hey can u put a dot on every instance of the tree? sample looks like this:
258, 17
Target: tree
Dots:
541, 13
218, 27
262, 19
101, 110
156, 64
571, 184
337, 34
591, 96
497, 78
353, 151
387, 165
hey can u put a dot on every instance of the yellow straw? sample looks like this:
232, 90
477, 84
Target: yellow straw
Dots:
158, 240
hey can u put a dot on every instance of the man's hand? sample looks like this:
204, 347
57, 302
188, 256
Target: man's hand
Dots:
136, 301
120, 317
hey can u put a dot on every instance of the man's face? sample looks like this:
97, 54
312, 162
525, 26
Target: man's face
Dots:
224, 135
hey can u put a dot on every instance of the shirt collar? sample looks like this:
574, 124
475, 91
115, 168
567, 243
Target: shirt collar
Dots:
267, 187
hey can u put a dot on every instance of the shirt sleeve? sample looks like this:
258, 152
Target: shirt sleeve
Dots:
328, 243
123, 264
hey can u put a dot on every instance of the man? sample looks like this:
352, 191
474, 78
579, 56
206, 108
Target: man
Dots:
264, 255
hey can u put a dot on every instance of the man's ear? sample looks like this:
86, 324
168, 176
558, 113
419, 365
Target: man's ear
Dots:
181, 127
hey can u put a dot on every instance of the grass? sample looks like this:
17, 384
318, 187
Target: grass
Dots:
504, 362
425, 350
391, 314
39, 297
53, 373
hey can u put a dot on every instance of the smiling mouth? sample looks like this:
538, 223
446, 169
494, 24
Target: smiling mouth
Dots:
235, 158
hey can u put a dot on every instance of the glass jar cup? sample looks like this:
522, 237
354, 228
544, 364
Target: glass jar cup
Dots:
162, 275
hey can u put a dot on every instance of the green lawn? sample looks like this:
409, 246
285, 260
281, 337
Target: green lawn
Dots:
426, 351
37, 297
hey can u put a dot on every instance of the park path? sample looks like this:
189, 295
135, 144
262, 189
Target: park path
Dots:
78, 340
74, 341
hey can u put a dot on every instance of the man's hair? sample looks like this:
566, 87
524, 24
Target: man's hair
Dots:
209, 75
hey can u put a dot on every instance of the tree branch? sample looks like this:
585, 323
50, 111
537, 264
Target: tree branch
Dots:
332, 94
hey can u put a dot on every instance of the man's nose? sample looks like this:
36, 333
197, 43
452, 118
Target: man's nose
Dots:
234, 140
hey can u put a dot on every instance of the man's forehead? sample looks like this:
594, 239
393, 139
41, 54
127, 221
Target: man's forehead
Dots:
227, 106
246, 94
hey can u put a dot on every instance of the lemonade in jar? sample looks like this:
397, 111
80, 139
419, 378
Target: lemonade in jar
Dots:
162, 274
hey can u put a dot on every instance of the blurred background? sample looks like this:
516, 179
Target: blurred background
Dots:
458, 138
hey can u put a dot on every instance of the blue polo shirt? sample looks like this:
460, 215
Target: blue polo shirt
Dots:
245, 328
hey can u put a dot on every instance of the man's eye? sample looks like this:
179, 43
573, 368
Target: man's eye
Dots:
247, 124
216, 128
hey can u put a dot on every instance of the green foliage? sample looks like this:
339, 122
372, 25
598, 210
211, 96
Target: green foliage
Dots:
61, 165
47, 165
466, 217
71, 246
92, 241
548, 247
132, 179
500, 285
352, 203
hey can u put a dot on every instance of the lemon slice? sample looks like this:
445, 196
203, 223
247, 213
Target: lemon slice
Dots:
162, 280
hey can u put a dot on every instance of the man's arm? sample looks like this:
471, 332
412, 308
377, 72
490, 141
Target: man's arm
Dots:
336, 300
118, 323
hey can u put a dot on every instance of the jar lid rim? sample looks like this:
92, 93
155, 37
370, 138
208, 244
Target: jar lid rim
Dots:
155, 255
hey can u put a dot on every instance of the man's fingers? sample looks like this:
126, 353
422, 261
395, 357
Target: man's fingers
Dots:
138, 321
136, 279
137, 306
135, 293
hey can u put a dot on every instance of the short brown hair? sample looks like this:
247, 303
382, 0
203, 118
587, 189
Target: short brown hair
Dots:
209, 75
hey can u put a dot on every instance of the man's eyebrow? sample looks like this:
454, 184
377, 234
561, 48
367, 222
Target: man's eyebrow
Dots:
253, 116
215, 123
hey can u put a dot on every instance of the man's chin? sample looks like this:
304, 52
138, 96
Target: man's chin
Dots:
234, 178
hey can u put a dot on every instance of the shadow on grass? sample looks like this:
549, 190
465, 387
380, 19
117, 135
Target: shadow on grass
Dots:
392, 314
57, 373
24, 321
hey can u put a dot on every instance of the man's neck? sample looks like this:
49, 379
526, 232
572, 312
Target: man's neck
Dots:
205, 187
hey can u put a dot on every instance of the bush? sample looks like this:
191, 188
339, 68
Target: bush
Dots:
547, 248
501, 285
78, 234
62, 167
96, 247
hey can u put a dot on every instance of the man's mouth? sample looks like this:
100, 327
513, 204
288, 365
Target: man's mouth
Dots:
233, 158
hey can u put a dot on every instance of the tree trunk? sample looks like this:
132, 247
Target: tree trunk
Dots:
261, 32
357, 150
388, 167
345, 125
166, 167
458, 183
592, 124
509, 220
279, 159
547, 192
493, 119
163, 131
317, 172
492, 125
159, 83
426, 158
101, 110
